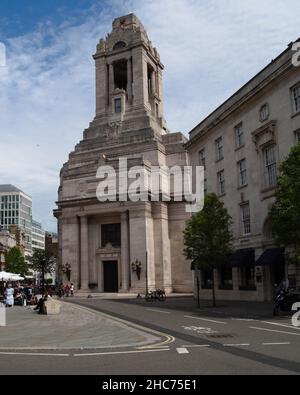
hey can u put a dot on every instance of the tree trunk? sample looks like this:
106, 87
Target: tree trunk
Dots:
198, 290
43, 281
213, 289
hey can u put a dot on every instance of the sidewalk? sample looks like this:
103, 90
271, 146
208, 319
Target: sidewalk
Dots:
74, 328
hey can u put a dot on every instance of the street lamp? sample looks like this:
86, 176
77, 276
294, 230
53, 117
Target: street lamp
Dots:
66, 269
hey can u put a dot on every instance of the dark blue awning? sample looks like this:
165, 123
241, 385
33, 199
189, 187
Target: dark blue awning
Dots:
242, 258
272, 256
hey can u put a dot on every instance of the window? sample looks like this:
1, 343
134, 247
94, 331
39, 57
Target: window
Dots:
202, 157
111, 233
226, 278
118, 106
239, 136
156, 110
221, 183
296, 98
219, 148
150, 79
270, 167
247, 278
264, 113
246, 221
206, 277
119, 45
242, 172
297, 135
205, 187
120, 74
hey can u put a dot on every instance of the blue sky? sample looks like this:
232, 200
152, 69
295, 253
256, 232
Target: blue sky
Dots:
209, 49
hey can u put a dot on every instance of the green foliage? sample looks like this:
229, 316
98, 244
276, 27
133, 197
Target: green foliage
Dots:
208, 235
15, 262
285, 213
42, 261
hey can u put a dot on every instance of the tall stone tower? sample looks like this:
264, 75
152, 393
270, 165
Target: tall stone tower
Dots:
103, 242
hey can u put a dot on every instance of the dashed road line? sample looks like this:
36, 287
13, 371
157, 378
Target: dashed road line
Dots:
236, 345
196, 345
34, 354
159, 311
206, 319
276, 344
242, 319
278, 324
273, 330
120, 352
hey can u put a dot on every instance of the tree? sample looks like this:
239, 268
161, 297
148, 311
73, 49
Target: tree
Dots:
208, 237
15, 262
42, 262
285, 212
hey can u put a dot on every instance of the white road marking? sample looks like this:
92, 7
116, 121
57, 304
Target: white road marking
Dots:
182, 350
205, 319
236, 345
273, 330
195, 345
242, 319
121, 352
276, 344
278, 324
159, 311
34, 354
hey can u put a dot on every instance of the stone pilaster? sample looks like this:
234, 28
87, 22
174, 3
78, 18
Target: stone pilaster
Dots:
84, 253
125, 251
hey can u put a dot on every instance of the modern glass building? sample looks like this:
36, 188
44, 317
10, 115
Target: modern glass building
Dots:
38, 236
16, 209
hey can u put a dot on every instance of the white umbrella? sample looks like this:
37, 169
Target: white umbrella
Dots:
5, 276
17, 277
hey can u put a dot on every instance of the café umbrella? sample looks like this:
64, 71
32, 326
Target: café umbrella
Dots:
5, 276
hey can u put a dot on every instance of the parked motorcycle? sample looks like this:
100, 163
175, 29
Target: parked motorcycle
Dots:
284, 301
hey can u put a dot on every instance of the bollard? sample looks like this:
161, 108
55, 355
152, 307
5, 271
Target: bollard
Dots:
2, 315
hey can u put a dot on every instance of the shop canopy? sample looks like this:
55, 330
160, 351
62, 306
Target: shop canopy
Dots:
271, 256
241, 258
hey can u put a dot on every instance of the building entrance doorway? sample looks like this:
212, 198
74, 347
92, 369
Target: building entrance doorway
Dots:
110, 274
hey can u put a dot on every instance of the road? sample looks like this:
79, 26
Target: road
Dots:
191, 341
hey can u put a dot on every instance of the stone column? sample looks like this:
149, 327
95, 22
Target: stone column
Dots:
125, 251
111, 83
129, 80
84, 253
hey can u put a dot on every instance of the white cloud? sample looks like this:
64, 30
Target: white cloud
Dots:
209, 48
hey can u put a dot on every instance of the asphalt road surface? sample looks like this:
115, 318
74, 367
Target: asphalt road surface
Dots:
193, 342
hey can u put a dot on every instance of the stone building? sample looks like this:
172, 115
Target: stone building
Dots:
241, 145
103, 241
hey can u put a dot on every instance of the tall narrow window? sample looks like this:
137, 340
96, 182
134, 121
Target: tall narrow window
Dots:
118, 105
120, 74
264, 113
296, 98
270, 167
297, 135
246, 219
242, 169
205, 186
221, 183
239, 136
202, 157
219, 148
150, 80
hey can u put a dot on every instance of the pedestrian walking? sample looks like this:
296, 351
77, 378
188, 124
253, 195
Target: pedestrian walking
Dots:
9, 293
